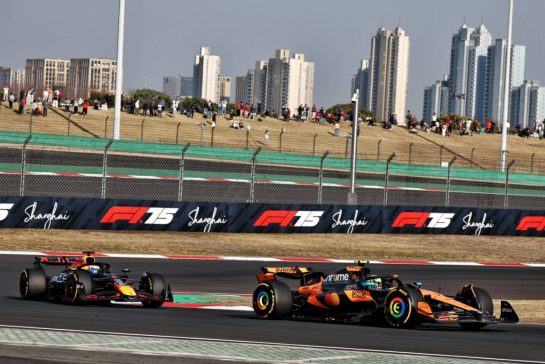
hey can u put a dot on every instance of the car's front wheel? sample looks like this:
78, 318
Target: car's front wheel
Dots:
154, 285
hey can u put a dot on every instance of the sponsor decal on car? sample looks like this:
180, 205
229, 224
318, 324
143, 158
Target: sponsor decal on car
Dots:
437, 220
531, 222
284, 218
135, 215
48, 218
4, 210
208, 222
337, 277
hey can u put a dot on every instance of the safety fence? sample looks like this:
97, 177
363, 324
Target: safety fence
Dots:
108, 214
293, 137
46, 165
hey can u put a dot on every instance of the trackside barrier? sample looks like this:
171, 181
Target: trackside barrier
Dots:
108, 214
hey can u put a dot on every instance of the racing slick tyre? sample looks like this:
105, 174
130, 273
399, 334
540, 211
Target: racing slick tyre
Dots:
272, 300
400, 307
153, 284
78, 285
33, 284
478, 298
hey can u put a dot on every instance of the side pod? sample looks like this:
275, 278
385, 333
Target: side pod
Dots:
508, 314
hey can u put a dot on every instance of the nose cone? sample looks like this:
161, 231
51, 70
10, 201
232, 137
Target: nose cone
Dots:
127, 291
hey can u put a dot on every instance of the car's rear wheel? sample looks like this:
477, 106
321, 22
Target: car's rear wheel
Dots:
78, 285
154, 285
272, 300
478, 298
400, 309
33, 284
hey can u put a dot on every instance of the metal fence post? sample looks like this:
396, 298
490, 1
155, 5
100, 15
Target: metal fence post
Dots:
532, 163
182, 170
68, 122
410, 151
177, 132
142, 130
202, 132
321, 176
106, 127
212, 136
252, 171
23, 166
280, 146
30, 121
346, 147
378, 149
447, 192
314, 145
472, 162
506, 197
386, 178
247, 138
441, 155
105, 168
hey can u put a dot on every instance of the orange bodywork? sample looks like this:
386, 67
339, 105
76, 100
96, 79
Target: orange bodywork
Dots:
442, 298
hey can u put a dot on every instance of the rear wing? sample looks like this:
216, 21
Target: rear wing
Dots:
52, 261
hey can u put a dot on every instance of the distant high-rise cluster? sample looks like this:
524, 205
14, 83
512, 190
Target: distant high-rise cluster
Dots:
382, 80
74, 77
280, 81
475, 86
14, 78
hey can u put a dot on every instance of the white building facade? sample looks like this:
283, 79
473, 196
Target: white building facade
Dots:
206, 72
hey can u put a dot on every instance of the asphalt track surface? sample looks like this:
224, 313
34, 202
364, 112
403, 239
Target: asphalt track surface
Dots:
507, 341
122, 188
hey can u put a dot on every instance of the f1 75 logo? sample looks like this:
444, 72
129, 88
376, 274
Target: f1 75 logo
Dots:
135, 215
437, 220
4, 210
285, 218
531, 222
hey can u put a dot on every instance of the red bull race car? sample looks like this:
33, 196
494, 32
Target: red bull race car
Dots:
352, 294
85, 280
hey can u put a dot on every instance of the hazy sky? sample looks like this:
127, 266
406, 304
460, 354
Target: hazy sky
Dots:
162, 36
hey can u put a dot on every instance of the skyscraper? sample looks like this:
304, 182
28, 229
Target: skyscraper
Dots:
388, 73
172, 86
528, 104
360, 81
436, 99
224, 88
14, 78
495, 77
186, 86
468, 71
206, 73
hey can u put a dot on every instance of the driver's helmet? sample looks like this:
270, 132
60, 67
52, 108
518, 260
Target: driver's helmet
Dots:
93, 269
376, 280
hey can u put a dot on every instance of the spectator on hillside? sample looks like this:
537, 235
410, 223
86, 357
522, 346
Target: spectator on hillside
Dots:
136, 106
56, 96
266, 137
369, 120
11, 100
6, 93
76, 106
337, 128
85, 106
44, 107
22, 104
66, 105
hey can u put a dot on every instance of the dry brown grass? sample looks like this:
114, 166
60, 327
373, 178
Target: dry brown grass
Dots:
299, 137
414, 247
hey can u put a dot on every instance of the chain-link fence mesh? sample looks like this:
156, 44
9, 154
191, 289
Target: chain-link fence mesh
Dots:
86, 167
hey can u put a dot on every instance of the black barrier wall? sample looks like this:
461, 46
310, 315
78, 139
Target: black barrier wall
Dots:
104, 214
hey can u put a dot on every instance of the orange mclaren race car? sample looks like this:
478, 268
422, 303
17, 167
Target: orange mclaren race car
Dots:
85, 280
352, 294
